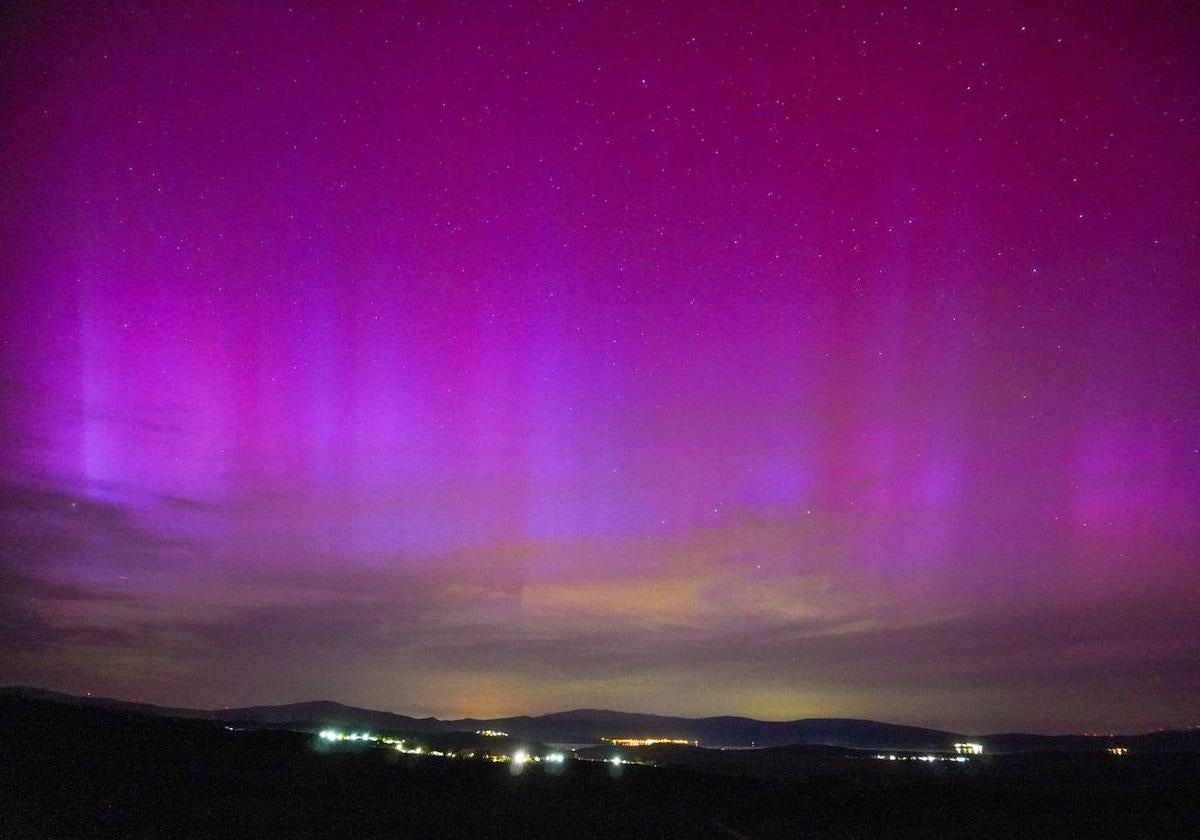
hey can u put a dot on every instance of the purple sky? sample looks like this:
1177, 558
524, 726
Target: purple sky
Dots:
692, 358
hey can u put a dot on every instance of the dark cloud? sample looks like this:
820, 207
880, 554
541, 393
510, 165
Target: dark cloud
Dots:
24, 627
47, 528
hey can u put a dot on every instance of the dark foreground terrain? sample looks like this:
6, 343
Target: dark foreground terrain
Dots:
75, 771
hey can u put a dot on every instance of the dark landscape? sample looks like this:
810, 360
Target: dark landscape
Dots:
74, 767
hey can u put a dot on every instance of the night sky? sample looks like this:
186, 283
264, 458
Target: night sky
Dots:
694, 358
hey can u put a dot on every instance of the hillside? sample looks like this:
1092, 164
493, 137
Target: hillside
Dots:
590, 726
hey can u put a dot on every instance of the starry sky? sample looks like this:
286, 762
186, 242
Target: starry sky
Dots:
783, 360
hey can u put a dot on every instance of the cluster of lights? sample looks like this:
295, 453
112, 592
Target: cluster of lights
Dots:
958, 759
522, 757
332, 735
421, 751
616, 760
519, 757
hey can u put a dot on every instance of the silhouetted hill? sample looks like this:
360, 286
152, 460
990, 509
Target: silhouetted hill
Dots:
590, 726
71, 769
309, 715
328, 713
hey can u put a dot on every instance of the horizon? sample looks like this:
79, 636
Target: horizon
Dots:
764, 360
96, 699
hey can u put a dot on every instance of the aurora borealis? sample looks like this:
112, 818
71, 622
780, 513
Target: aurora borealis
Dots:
717, 358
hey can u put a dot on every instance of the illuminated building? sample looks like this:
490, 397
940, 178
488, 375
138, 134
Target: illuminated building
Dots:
1119, 750
649, 742
969, 749
491, 733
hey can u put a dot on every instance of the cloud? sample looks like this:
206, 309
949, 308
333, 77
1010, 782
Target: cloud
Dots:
51, 529
763, 610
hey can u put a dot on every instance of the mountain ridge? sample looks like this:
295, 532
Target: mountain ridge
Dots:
595, 725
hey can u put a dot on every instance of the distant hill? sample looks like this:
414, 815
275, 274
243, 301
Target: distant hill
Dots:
590, 726
314, 714
76, 769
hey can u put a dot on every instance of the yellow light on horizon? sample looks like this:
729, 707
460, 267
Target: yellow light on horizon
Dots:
649, 742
